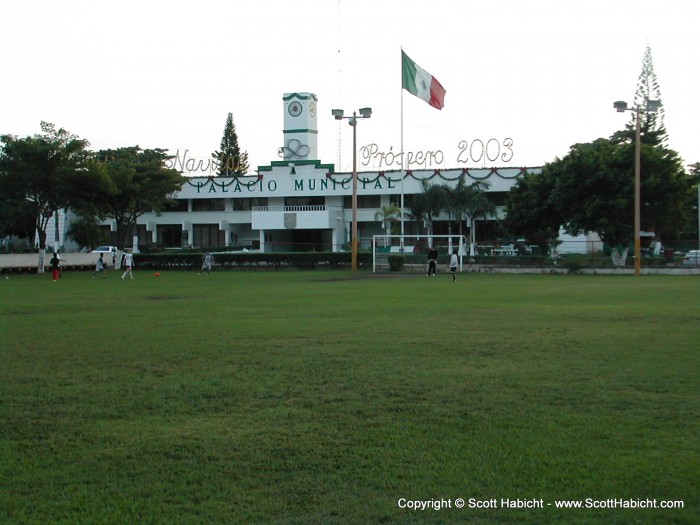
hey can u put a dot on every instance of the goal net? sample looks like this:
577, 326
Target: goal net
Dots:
414, 249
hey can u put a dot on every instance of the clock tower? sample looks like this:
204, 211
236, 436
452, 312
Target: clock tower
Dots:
300, 130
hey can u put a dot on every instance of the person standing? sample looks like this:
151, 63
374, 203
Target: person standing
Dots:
207, 262
100, 268
432, 261
55, 265
60, 264
454, 261
128, 263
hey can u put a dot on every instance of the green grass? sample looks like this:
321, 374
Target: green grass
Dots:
288, 397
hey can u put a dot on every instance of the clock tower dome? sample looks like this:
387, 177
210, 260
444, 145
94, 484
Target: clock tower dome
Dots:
300, 129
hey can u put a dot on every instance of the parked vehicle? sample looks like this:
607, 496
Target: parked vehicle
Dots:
692, 258
105, 249
109, 254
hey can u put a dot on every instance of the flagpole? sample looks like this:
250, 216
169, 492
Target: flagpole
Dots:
402, 155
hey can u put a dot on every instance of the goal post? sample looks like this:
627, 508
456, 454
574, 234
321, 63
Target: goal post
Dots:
415, 249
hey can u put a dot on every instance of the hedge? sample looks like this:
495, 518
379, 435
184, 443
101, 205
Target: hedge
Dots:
306, 260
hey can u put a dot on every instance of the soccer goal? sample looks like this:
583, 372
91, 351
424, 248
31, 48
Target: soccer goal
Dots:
415, 250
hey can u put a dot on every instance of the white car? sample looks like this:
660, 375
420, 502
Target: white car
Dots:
105, 249
109, 254
692, 258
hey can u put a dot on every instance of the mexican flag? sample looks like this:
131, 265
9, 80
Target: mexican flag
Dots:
420, 83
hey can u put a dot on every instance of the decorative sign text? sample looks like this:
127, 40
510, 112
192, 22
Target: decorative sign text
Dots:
474, 152
203, 165
294, 150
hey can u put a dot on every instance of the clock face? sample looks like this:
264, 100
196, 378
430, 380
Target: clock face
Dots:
295, 109
312, 109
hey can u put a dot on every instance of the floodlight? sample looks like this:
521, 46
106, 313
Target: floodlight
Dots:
653, 105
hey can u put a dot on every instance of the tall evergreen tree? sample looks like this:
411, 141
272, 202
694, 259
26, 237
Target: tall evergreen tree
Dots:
652, 123
231, 160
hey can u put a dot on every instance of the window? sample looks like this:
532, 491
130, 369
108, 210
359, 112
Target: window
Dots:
248, 204
208, 235
304, 201
208, 205
170, 235
498, 198
396, 200
145, 237
177, 205
363, 201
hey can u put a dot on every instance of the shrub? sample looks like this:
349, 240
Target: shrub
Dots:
188, 260
396, 262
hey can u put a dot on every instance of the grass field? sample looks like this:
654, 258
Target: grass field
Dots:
286, 397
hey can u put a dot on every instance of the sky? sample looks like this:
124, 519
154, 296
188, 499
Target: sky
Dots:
528, 79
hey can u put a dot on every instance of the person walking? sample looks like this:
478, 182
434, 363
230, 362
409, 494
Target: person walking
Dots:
55, 265
454, 261
207, 263
432, 261
100, 268
128, 263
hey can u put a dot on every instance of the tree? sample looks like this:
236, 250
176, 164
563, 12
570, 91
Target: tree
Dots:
467, 202
45, 173
453, 204
387, 214
85, 231
476, 205
692, 230
231, 161
530, 212
16, 218
651, 123
140, 183
592, 190
427, 205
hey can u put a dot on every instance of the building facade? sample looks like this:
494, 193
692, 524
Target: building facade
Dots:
300, 203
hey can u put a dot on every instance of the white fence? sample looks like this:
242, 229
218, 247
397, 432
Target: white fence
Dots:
19, 261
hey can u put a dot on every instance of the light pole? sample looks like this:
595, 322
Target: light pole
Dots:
650, 107
695, 170
364, 113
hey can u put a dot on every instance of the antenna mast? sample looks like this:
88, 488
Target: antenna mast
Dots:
339, 80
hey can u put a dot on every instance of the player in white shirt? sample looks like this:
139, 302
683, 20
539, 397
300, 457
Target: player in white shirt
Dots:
128, 263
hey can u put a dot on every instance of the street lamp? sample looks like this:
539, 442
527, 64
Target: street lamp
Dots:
695, 170
650, 107
364, 113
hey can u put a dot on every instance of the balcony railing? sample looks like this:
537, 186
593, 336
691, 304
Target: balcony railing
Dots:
316, 207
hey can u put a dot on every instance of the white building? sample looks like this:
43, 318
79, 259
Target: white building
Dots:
300, 203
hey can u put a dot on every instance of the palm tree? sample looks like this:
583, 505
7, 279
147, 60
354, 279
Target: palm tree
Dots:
455, 200
427, 205
476, 205
387, 214
467, 201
